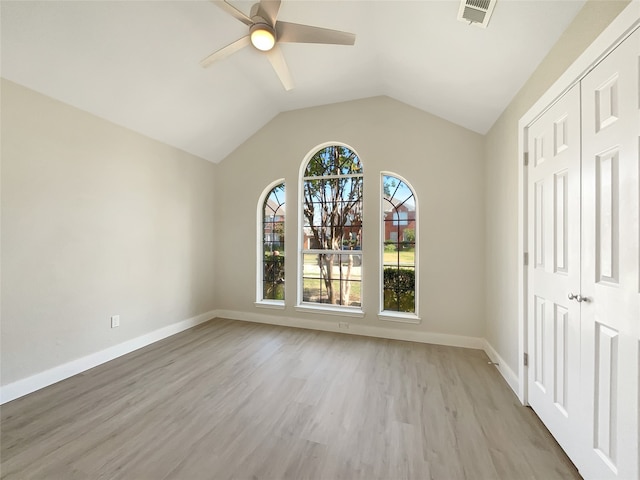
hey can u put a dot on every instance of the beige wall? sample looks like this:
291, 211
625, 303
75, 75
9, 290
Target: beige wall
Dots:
96, 221
442, 161
501, 156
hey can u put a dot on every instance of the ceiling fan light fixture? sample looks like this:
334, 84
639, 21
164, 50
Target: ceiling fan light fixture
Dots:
261, 21
263, 37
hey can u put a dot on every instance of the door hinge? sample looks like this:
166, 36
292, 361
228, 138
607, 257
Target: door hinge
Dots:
526, 259
526, 159
526, 359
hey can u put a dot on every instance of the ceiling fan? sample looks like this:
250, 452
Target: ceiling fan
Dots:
265, 32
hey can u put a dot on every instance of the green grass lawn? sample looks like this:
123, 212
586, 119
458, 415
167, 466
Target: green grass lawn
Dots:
311, 287
406, 258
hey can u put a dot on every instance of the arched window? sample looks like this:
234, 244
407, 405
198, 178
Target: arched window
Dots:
271, 248
399, 248
331, 236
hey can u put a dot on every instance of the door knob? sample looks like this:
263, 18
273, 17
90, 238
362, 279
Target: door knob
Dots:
578, 298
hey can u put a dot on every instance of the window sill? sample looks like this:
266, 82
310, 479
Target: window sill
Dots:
274, 304
339, 311
399, 317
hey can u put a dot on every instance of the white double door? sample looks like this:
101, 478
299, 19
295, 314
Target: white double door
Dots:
584, 269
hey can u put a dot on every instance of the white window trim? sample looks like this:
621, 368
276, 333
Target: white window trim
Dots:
390, 315
301, 305
260, 300
273, 304
328, 309
401, 317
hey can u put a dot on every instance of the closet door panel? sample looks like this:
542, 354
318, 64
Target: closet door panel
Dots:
610, 282
554, 273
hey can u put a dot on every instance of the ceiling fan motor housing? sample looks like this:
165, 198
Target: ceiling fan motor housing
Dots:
263, 35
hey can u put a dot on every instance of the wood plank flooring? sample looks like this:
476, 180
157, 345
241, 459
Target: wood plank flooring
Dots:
239, 400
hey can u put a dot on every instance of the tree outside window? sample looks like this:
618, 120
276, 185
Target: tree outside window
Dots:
331, 253
273, 251
399, 245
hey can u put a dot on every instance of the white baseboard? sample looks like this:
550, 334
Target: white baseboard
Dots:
357, 329
40, 380
503, 368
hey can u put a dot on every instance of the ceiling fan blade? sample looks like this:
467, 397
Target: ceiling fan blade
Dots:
224, 52
280, 66
269, 10
296, 33
233, 11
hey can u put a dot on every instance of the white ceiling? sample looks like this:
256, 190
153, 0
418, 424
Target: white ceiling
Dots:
136, 63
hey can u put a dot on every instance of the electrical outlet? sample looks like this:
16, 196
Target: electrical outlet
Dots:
343, 325
115, 321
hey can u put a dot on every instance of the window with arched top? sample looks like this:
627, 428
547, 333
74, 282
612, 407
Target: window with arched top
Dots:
271, 248
331, 233
399, 249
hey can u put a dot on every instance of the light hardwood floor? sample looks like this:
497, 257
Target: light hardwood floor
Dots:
240, 400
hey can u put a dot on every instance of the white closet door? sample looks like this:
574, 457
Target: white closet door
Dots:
611, 264
554, 269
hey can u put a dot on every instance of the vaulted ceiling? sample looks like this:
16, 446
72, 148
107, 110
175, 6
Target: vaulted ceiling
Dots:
136, 63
